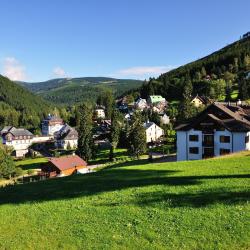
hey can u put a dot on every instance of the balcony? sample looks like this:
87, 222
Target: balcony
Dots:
208, 143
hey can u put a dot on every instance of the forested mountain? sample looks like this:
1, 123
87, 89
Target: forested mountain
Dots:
74, 90
221, 75
19, 107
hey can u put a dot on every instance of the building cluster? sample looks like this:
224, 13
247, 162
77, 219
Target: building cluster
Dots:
54, 131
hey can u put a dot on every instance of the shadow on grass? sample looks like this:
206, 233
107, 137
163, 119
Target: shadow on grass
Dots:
31, 166
119, 179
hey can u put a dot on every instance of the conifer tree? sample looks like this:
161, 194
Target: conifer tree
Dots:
85, 136
137, 137
116, 126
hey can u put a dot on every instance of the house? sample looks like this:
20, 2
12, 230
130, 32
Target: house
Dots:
246, 35
153, 132
199, 101
51, 124
155, 99
18, 138
141, 104
218, 130
66, 137
100, 113
63, 166
165, 119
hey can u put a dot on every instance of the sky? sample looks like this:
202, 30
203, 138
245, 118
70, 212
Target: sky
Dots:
45, 39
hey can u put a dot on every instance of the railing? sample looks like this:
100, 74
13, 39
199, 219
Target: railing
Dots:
208, 143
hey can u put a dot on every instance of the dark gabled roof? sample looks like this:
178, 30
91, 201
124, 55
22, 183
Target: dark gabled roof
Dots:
234, 118
66, 132
67, 162
19, 132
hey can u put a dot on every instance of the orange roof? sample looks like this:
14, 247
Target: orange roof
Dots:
68, 162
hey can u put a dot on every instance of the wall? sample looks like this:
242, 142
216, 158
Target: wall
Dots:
239, 142
194, 144
181, 146
218, 145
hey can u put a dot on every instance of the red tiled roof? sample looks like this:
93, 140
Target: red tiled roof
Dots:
67, 162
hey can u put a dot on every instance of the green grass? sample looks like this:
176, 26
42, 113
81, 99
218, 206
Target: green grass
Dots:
183, 205
28, 164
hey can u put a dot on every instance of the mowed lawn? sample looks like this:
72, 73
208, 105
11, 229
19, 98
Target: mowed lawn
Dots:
188, 205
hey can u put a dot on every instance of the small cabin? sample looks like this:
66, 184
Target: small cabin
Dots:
63, 166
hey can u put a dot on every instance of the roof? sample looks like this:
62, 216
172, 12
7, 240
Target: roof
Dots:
232, 118
5, 129
156, 98
203, 99
67, 162
66, 132
17, 131
147, 125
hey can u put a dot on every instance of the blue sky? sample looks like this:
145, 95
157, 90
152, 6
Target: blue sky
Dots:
44, 39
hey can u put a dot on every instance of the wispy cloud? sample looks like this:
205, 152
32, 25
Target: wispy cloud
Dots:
59, 72
13, 69
143, 72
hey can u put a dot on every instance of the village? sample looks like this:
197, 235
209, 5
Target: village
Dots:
220, 128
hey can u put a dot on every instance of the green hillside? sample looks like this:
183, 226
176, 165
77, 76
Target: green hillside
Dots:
182, 205
217, 75
74, 90
18, 106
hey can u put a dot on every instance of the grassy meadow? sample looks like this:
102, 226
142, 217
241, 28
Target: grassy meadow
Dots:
180, 205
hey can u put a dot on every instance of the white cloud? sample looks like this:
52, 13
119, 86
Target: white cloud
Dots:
13, 69
59, 72
143, 71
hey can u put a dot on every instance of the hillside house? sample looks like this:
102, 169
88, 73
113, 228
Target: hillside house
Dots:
165, 119
246, 35
63, 166
153, 132
199, 101
218, 130
18, 138
51, 124
153, 100
100, 113
66, 137
141, 104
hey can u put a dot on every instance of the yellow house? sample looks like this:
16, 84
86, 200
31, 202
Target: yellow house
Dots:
198, 101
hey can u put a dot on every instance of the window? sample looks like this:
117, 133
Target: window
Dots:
247, 139
193, 138
224, 139
194, 150
224, 151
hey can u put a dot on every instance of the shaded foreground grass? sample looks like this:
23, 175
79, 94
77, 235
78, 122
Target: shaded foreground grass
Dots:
188, 205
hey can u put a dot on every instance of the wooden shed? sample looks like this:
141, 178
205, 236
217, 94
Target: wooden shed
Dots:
62, 166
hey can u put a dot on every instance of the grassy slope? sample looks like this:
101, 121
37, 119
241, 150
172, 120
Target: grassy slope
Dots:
188, 205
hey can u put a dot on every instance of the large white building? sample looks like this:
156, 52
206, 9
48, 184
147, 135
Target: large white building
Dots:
218, 130
19, 139
51, 124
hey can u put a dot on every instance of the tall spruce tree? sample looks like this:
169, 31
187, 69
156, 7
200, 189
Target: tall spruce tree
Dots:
85, 135
137, 137
116, 126
187, 109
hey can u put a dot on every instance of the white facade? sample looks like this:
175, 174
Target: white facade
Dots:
64, 144
100, 113
236, 141
153, 132
165, 119
51, 129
